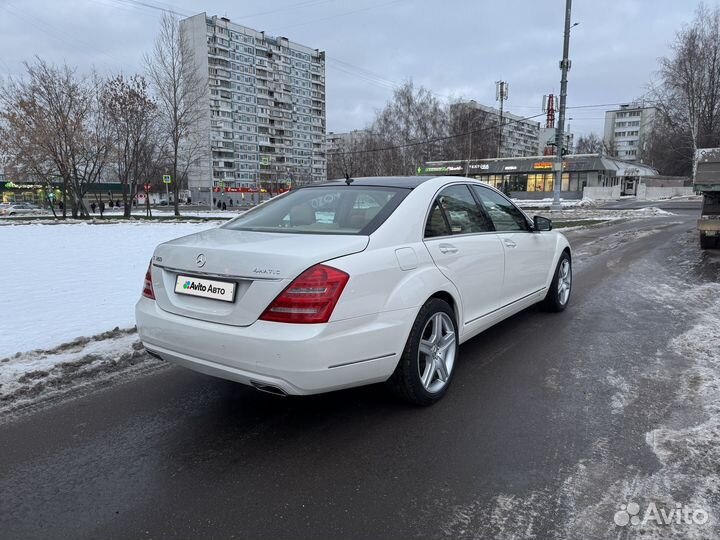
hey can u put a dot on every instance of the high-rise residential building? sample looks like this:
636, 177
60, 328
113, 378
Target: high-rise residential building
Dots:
265, 104
626, 130
519, 136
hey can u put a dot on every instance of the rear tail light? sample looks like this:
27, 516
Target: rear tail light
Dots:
148, 291
310, 298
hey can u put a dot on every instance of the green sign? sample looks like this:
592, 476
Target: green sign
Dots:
166, 179
265, 160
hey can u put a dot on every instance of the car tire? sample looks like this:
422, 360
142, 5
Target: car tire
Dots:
427, 364
707, 242
558, 295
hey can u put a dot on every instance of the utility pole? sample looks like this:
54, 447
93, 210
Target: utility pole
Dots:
560, 132
210, 171
501, 94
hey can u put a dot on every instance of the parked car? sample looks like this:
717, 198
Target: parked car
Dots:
19, 209
350, 283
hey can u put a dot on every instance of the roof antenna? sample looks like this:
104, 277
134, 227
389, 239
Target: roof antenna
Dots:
348, 180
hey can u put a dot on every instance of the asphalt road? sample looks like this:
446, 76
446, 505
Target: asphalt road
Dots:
547, 415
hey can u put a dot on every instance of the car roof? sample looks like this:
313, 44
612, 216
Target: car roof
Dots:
407, 182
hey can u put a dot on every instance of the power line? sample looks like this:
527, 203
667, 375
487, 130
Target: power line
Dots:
50, 30
305, 4
156, 6
330, 17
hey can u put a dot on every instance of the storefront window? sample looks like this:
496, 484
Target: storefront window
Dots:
536, 182
517, 182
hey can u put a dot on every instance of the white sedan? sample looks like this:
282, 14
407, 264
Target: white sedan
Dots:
350, 283
16, 209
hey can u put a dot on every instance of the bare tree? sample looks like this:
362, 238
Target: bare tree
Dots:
688, 92
589, 144
173, 72
475, 131
132, 115
53, 127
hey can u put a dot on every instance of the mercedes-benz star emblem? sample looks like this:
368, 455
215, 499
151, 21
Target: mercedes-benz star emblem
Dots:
200, 260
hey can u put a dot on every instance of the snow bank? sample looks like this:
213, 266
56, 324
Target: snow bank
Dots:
39, 375
69, 280
547, 203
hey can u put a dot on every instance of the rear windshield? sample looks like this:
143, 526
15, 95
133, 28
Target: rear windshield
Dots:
323, 210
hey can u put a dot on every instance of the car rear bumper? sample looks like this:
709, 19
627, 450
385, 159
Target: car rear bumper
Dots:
295, 358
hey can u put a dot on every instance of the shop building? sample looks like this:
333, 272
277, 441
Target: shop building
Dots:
534, 177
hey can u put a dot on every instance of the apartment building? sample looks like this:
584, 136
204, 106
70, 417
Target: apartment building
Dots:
520, 137
265, 104
626, 129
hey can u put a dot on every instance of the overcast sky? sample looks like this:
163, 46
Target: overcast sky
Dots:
455, 48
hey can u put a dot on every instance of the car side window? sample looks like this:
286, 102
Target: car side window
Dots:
455, 211
436, 224
505, 216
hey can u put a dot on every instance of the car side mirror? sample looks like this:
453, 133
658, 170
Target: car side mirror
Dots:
542, 224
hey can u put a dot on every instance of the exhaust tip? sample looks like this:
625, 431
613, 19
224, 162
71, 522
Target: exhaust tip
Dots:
270, 389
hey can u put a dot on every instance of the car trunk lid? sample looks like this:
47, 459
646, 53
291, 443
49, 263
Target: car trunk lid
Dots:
259, 264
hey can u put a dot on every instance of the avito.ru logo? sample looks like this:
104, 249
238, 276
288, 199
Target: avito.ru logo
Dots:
630, 514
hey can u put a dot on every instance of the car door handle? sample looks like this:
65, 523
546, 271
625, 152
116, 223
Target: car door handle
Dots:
448, 248
509, 243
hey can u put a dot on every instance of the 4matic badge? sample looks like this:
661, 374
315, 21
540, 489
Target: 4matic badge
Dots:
266, 271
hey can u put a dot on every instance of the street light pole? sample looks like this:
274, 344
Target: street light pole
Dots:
560, 132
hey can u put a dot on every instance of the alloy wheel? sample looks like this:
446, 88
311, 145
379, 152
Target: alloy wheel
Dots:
564, 282
437, 351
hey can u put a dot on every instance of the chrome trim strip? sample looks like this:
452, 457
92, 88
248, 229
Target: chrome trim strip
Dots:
506, 305
212, 275
360, 361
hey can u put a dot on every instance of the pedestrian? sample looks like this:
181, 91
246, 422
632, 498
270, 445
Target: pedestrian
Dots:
230, 203
111, 203
102, 208
92, 207
60, 205
224, 206
219, 205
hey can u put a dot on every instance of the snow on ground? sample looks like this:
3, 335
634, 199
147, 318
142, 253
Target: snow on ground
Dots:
70, 280
545, 203
590, 213
31, 377
113, 218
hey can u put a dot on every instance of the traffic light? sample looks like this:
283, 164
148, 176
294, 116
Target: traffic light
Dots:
564, 151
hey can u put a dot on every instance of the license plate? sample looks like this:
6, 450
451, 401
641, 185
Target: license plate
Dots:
205, 288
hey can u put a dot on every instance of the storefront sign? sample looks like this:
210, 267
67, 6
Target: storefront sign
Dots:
510, 168
13, 185
455, 168
237, 190
435, 169
545, 165
481, 166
